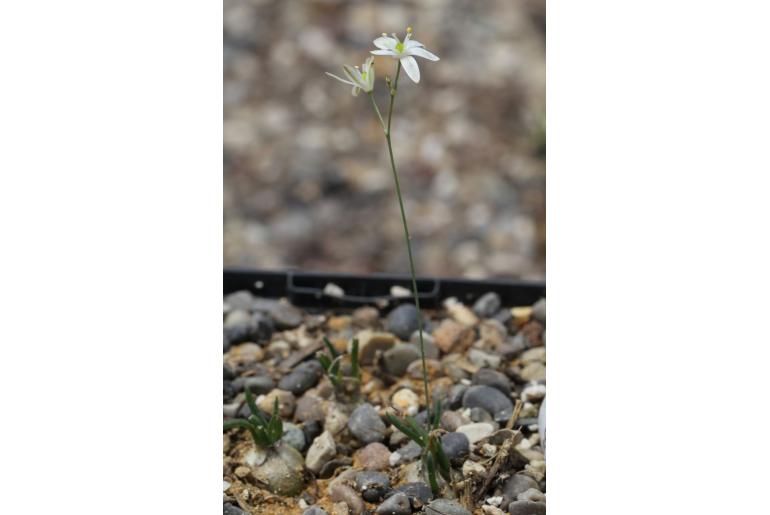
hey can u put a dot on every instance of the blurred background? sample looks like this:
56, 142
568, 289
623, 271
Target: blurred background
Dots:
307, 182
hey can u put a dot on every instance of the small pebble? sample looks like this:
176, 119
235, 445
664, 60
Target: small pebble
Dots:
419, 493
445, 507
526, 508
492, 510
492, 400
456, 447
451, 336
396, 504
336, 419
406, 402
374, 456
370, 343
302, 378
230, 509
487, 305
397, 359
532, 494
517, 484
372, 485
365, 424
493, 378
484, 359
286, 402
473, 469
314, 510
460, 312
322, 450
538, 310
476, 431
344, 493
294, 436
403, 321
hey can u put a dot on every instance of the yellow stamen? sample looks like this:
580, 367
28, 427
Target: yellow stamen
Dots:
409, 30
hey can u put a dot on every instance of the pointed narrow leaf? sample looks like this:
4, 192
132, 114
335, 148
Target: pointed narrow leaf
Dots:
325, 361
436, 413
354, 370
418, 428
250, 401
335, 368
331, 348
404, 428
441, 460
431, 469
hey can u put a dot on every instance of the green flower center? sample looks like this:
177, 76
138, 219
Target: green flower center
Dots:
399, 47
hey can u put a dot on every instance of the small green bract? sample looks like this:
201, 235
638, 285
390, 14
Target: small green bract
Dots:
264, 432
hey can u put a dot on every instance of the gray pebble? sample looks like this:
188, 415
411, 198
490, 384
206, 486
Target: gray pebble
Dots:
409, 452
487, 305
315, 510
397, 359
230, 509
241, 299
262, 328
396, 504
484, 359
365, 424
517, 484
322, 450
493, 378
431, 351
456, 447
526, 508
445, 507
495, 402
258, 385
419, 493
455, 398
538, 310
237, 327
285, 316
294, 436
372, 485
480, 415
302, 378
402, 321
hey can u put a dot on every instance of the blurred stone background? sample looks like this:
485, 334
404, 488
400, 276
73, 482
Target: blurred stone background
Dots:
307, 182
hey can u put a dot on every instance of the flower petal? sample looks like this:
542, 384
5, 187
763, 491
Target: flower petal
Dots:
384, 52
355, 91
339, 79
412, 44
410, 67
421, 52
385, 43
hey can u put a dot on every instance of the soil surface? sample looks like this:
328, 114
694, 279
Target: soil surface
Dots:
486, 363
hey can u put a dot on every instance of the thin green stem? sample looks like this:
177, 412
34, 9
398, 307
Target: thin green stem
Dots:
408, 239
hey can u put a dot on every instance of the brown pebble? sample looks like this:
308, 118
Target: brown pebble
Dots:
349, 496
451, 336
374, 456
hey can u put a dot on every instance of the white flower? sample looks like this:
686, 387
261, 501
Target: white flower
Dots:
362, 79
404, 51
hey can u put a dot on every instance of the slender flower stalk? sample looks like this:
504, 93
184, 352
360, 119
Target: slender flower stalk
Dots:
427, 438
386, 131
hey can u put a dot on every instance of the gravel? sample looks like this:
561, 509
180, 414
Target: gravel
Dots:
489, 399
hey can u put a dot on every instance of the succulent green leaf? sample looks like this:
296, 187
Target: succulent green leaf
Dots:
250, 401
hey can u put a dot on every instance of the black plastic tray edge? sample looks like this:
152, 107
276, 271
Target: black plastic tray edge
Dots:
306, 288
